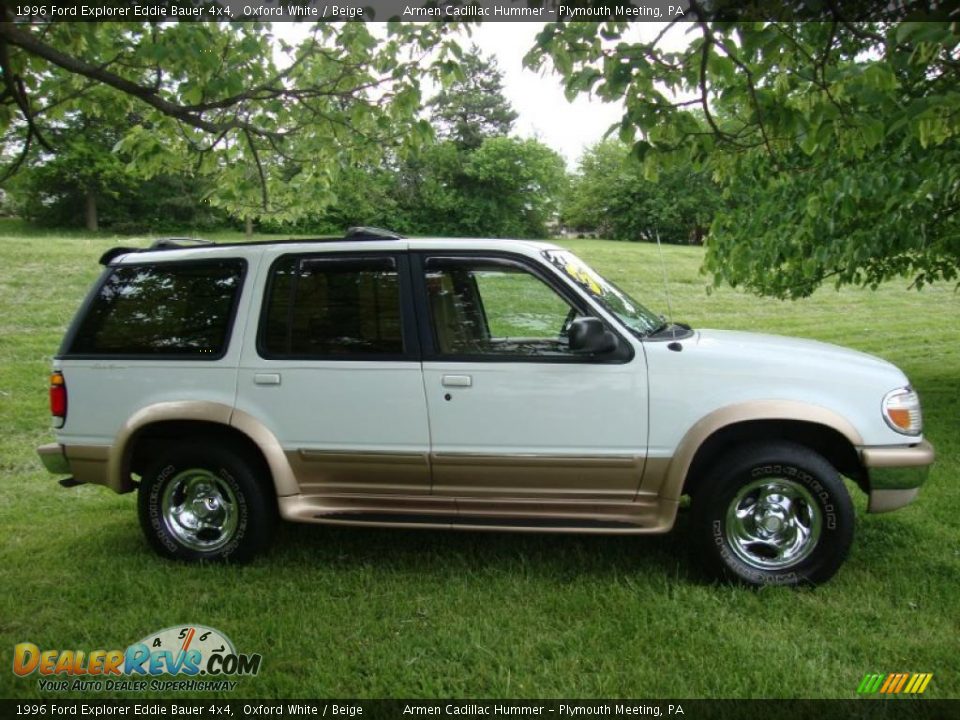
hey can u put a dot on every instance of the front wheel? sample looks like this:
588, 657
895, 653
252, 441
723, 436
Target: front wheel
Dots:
205, 503
776, 513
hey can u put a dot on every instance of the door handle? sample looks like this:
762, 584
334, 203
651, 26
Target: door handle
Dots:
457, 381
266, 379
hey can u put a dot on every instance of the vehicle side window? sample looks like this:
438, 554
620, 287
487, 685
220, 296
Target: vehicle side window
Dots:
486, 308
321, 307
178, 309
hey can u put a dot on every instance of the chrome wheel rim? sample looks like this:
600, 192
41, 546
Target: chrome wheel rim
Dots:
200, 510
773, 523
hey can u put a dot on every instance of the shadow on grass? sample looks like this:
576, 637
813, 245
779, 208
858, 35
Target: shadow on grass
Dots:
430, 555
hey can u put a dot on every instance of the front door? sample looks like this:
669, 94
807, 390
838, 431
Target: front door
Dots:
513, 411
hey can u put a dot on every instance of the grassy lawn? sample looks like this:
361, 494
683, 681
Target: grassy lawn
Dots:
381, 613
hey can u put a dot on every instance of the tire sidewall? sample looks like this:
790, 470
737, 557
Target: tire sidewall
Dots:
805, 468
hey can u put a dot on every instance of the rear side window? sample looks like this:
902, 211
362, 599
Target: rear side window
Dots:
181, 310
338, 308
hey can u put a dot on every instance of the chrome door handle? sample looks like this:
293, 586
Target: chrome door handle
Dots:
266, 379
457, 381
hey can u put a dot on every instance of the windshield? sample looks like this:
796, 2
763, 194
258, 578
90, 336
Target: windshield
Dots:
631, 313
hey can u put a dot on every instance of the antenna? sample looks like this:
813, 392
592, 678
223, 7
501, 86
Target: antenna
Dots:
666, 287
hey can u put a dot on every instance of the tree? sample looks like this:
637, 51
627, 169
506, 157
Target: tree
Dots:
507, 187
473, 107
838, 142
63, 188
611, 197
511, 188
211, 99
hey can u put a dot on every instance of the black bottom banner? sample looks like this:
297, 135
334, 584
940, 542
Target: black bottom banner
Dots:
867, 709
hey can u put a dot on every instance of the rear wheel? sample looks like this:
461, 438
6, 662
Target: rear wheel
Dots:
776, 513
205, 503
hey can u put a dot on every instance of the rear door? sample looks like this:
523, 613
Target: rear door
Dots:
335, 372
513, 411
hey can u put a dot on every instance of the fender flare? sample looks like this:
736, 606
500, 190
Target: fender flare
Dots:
751, 411
201, 411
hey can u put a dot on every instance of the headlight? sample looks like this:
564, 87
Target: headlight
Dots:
901, 410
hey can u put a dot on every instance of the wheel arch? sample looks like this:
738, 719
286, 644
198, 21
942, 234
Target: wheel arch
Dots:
146, 428
813, 426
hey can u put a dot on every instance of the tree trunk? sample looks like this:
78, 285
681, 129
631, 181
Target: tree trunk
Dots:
248, 227
90, 211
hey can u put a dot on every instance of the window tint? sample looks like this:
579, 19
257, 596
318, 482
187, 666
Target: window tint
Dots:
178, 309
332, 307
481, 308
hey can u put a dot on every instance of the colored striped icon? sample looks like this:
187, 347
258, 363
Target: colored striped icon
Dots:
894, 683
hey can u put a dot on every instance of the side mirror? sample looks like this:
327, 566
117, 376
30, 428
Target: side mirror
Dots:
587, 335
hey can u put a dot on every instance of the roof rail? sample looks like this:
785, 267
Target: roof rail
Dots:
116, 252
172, 243
364, 232
167, 243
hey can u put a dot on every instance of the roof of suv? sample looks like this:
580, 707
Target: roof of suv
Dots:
182, 248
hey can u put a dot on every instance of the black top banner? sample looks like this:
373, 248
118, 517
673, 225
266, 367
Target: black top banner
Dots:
480, 10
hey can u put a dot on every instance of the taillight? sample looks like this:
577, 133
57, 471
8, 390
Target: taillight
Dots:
58, 397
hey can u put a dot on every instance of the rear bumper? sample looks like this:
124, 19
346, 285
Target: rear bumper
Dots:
87, 463
896, 474
54, 459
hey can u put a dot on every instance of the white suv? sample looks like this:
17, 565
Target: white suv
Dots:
470, 384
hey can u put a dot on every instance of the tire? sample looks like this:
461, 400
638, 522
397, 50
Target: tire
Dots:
192, 483
776, 514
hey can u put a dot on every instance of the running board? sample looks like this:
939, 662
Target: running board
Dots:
649, 515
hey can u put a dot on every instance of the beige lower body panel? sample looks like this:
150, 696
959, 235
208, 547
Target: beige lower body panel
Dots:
88, 463
532, 493
383, 473
601, 477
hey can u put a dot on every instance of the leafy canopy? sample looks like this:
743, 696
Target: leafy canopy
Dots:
216, 99
837, 143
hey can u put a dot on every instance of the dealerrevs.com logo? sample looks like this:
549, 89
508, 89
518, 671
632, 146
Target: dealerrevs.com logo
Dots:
204, 655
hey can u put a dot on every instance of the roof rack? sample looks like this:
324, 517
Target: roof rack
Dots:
167, 243
116, 252
172, 243
364, 232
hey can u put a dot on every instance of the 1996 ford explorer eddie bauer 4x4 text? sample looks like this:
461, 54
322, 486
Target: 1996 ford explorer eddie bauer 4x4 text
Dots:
477, 384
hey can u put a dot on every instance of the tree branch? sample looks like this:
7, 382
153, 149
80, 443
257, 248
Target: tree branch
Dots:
14, 88
26, 41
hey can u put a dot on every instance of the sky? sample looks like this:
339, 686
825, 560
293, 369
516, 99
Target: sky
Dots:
544, 112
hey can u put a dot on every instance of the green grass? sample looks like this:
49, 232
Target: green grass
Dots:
375, 613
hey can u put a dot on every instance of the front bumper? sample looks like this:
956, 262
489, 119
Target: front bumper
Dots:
896, 474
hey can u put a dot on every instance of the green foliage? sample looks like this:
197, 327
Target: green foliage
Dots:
611, 197
86, 176
472, 106
836, 143
506, 187
213, 99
